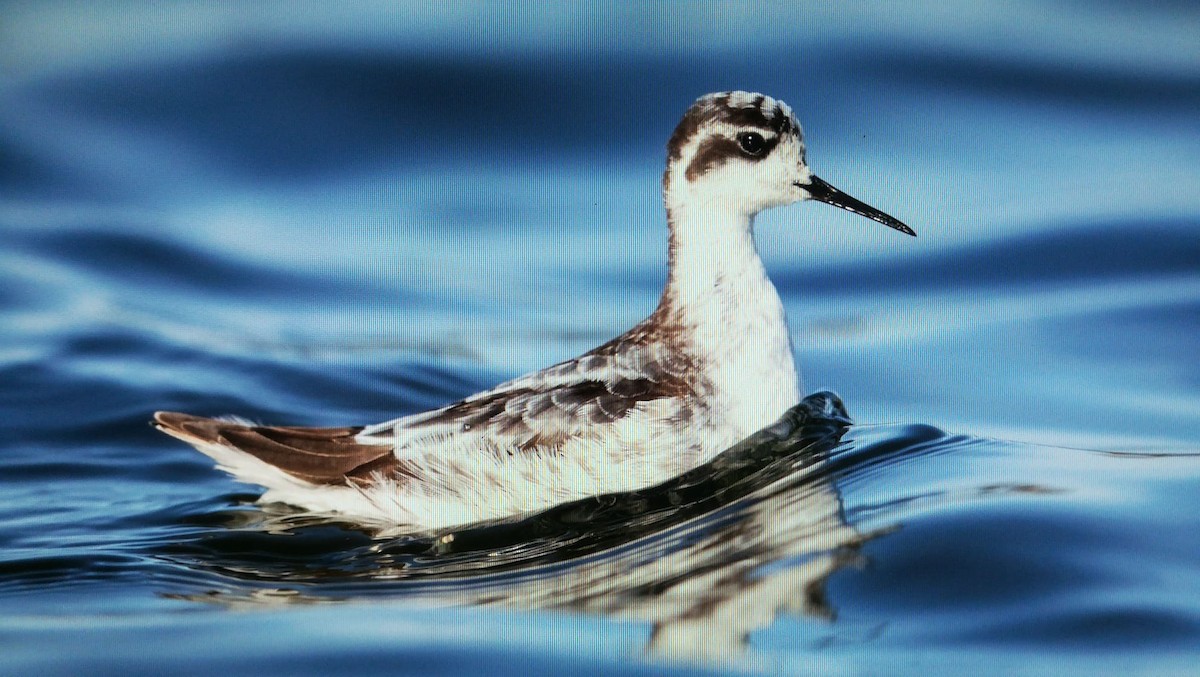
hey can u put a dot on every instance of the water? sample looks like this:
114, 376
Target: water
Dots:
315, 219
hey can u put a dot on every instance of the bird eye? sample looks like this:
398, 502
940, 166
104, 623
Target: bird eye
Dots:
752, 143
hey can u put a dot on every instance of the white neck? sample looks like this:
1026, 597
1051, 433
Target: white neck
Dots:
718, 288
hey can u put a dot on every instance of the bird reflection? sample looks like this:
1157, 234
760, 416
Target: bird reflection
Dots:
706, 558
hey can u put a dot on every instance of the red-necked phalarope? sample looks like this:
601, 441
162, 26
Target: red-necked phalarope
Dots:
711, 365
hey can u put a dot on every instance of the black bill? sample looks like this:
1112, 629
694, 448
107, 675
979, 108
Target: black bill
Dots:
823, 192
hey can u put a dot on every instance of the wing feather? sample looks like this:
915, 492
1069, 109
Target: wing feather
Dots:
549, 407
317, 455
543, 410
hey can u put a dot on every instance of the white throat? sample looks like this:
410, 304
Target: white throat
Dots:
718, 287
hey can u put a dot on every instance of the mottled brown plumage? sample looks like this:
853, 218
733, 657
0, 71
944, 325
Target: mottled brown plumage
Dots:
573, 398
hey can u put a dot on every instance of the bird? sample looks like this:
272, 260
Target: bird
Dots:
711, 365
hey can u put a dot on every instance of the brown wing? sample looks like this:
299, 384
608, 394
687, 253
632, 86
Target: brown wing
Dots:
541, 417
318, 455
547, 408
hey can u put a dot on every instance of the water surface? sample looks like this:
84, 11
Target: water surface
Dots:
311, 218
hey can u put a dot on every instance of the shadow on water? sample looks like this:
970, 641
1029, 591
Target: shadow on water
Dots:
707, 557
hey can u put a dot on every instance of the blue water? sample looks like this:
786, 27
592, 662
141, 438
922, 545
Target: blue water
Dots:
313, 217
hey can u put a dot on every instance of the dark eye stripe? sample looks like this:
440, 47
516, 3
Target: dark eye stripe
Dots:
775, 121
715, 151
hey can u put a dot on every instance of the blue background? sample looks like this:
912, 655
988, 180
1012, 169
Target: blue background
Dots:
308, 214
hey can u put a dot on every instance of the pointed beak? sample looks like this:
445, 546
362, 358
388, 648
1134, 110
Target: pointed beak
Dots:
823, 192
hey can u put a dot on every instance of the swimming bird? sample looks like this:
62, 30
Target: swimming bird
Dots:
711, 365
